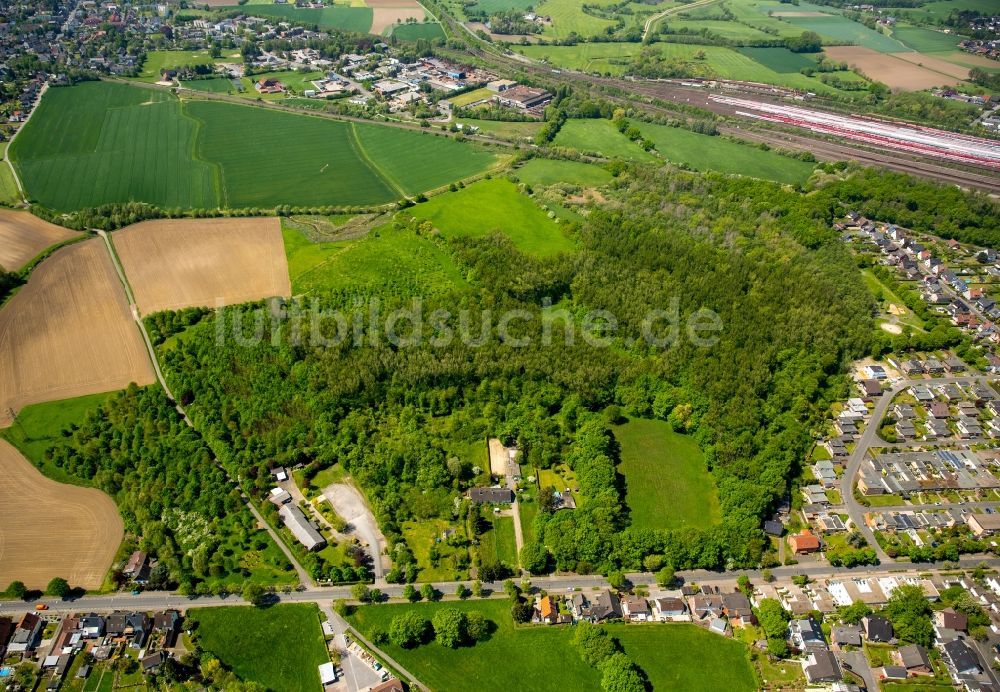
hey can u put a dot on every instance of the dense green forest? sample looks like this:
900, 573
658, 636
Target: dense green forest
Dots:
792, 308
137, 449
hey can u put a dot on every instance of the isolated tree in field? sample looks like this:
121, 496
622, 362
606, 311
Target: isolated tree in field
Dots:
534, 557
593, 643
449, 627
254, 593
619, 674
58, 587
477, 627
17, 589
407, 629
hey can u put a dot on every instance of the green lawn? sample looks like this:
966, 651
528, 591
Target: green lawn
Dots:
599, 136
667, 484
675, 657
420, 536
385, 260
39, 426
499, 544
708, 153
356, 19
551, 171
529, 510
471, 96
103, 142
279, 647
885, 295
495, 205
9, 193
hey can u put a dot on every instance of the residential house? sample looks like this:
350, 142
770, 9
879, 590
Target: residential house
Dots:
26, 634
92, 626
804, 542
889, 673
599, 607
168, 624
870, 387
821, 666
703, 606
152, 662
951, 619
736, 607
983, 524
877, 629
668, 608
491, 496
846, 635
914, 659
635, 608
963, 659
136, 567
875, 372
6, 632
547, 610
806, 634
279, 496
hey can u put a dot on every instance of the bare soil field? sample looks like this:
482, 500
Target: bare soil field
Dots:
69, 532
385, 13
69, 332
935, 64
203, 262
892, 70
23, 236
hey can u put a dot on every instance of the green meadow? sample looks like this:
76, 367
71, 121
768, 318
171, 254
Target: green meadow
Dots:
601, 137
356, 19
667, 483
551, 171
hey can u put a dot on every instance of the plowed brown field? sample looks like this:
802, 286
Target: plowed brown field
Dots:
23, 236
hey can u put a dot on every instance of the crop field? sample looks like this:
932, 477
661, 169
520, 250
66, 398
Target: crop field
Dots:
667, 484
279, 647
925, 40
601, 137
891, 69
387, 13
384, 260
173, 264
491, 6
215, 85
707, 153
70, 532
934, 64
157, 60
527, 654
755, 13
778, 59
495, 206
23, 236
551, 171
102, 142
845, 31
356, 19
68, 332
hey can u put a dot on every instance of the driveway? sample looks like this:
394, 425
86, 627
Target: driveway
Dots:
351, 506
856, 662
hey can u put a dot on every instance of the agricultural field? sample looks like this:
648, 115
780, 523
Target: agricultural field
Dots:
892, 70
600, 137
388, 13
415, 32
707, 153
214, 85
779, 59
23, 236
68, 332
728, 30
103, 142
159, 60
925, 40
568, 18
495, 205
70, 532
542, 172
279, 647
937, 10
383, 260
173, 264
356, 19
491, 6
528, 652
667, 483
841, 30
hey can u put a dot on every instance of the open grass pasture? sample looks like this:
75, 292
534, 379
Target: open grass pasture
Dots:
716, 27
495, 206
415, 32
491, 6
568, 17
551, 171
504, 129
779, 59
675, 657
707, 153
667, 484
103, 142
842, 31
385, 260
279, 647
214, 85
158, 60
925, 40
599, 136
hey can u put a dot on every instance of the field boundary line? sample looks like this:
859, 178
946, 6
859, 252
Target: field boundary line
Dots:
219, 175
654, 20
359, 149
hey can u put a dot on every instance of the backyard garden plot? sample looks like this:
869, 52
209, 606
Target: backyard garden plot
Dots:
203, 262
70, 532
707, 153
667, 483
23, 237
101, 142
68, 332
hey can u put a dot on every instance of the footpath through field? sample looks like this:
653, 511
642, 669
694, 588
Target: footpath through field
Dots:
651, 22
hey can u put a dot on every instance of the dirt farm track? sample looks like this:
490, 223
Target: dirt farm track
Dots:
69, 332
203, 262
23, 237
70, 532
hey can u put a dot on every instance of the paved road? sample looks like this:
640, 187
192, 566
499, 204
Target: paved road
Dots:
869, 438
304, 577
